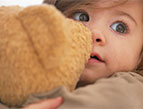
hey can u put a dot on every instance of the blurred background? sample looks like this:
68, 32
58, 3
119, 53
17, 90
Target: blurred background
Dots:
19, 2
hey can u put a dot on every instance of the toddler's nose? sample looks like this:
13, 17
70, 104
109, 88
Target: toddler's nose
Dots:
98, 38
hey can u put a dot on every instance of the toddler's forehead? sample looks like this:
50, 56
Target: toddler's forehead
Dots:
100, 3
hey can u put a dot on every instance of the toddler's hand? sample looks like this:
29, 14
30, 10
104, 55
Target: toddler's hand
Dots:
46, 104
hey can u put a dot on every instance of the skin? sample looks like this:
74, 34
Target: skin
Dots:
119, 51
46, 104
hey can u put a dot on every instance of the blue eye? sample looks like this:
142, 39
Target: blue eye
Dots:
81, 16
119, 27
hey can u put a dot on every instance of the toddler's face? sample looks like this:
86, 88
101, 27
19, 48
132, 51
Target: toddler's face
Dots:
117, 38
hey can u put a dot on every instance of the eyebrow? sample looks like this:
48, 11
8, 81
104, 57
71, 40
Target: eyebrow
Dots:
125, 14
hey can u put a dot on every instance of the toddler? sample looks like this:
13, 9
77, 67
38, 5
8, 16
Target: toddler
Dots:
117, 32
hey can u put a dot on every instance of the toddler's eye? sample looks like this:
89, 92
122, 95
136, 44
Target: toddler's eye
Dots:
81, 16
119, 27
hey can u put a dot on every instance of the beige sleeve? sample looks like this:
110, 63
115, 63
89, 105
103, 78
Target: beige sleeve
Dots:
123, 90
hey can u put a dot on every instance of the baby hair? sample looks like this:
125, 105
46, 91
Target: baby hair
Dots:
64, 5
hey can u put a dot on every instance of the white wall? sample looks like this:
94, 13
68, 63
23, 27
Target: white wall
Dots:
20, 2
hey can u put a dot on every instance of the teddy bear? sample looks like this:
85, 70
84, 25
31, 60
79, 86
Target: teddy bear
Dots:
40, 50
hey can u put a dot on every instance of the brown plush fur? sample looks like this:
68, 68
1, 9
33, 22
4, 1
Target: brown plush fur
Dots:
40, 50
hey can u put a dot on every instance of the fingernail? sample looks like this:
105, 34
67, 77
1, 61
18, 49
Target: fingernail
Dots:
58, 98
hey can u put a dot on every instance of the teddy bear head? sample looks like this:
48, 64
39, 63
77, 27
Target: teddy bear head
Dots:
40, 49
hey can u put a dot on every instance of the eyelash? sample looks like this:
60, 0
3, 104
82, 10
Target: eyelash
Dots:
126, 24
76, 11
117, 21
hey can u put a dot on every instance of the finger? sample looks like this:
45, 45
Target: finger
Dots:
46, 104
53, 103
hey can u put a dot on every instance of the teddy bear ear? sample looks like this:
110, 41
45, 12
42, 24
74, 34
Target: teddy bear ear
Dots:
53, 2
